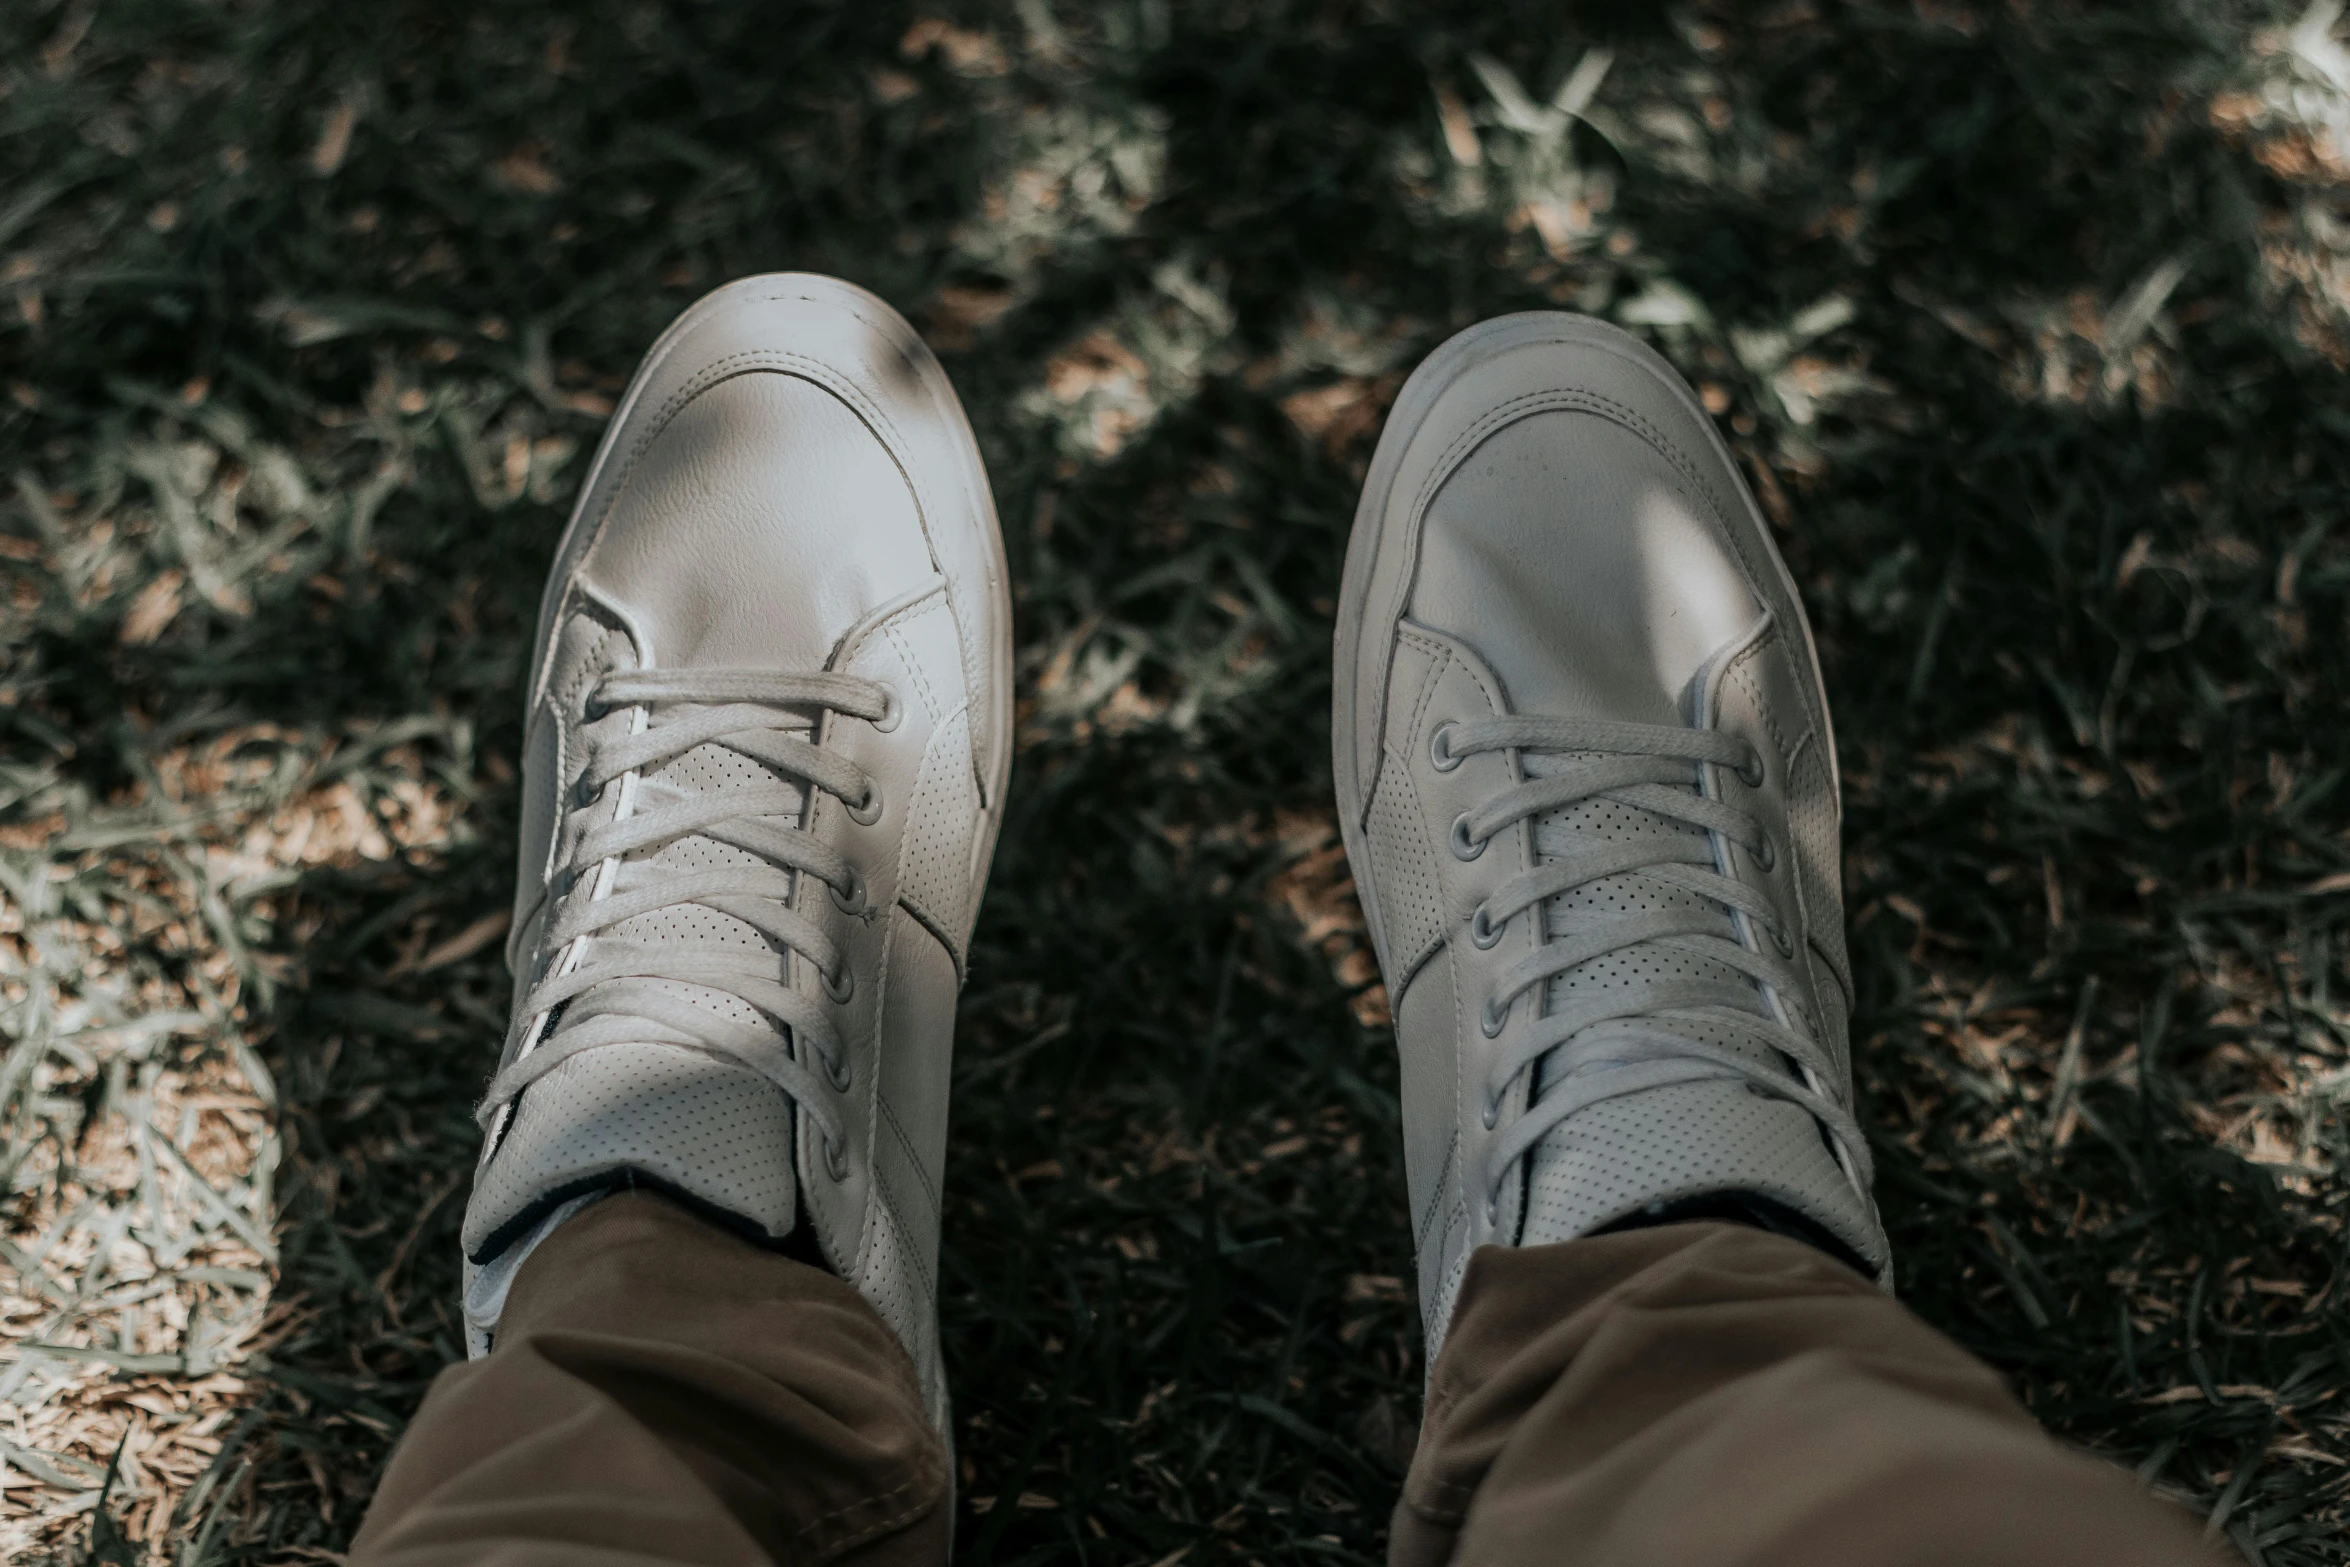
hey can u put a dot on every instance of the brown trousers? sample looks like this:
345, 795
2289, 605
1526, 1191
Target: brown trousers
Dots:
1696, 1395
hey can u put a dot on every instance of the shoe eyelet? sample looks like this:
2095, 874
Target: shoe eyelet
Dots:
840, 994
1492, 1209
1490, 1114
1440, 750
836, 1160
893, 710
1766, 854
868, 811
1493, 1021
1463, 846
836, 1073
1752, 777
852, 902
1483, 933
1783, 942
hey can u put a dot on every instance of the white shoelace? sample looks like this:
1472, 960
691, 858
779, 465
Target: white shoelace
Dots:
621, 992
1609, 1044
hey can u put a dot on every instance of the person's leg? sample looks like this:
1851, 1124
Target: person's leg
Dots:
663, 1391
767, 736
1710, 1395
1588, 784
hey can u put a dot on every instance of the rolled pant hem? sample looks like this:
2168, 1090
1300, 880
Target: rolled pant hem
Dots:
1713, 1395
664, 1392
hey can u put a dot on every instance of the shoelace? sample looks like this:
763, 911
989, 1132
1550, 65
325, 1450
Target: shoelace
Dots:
614, 995
1609, 1045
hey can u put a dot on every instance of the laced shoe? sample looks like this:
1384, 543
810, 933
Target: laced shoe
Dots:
1589, 794
766, 747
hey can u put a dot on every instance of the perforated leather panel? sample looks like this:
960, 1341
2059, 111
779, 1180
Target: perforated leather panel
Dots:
1411, 903
706, 1126
1620, 1155
935, 867
712, 1128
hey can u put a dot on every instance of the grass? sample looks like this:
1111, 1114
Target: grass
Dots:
2030, 321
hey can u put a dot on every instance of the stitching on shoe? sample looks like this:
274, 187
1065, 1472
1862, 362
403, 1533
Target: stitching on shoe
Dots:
1409, 807
748, 361
888, 1200
1408, 964
1440, 656
936, 924
921, 1176
1837, 963
937, 928
969, 482
1452, 1153
1448, 656
1742, 670
914, 671
970, 479
912, 609
1405, 631
876, 1033
784, 361
1567, 397
1420, 641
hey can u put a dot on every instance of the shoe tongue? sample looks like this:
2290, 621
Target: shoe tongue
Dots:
705, 770
1619, 1155
668, 1116
1587, 823
640, 1115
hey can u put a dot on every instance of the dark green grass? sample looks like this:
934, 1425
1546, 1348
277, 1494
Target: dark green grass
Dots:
2086, 651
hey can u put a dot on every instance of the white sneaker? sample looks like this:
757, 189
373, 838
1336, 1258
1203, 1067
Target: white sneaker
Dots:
1589, 793
769, 725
